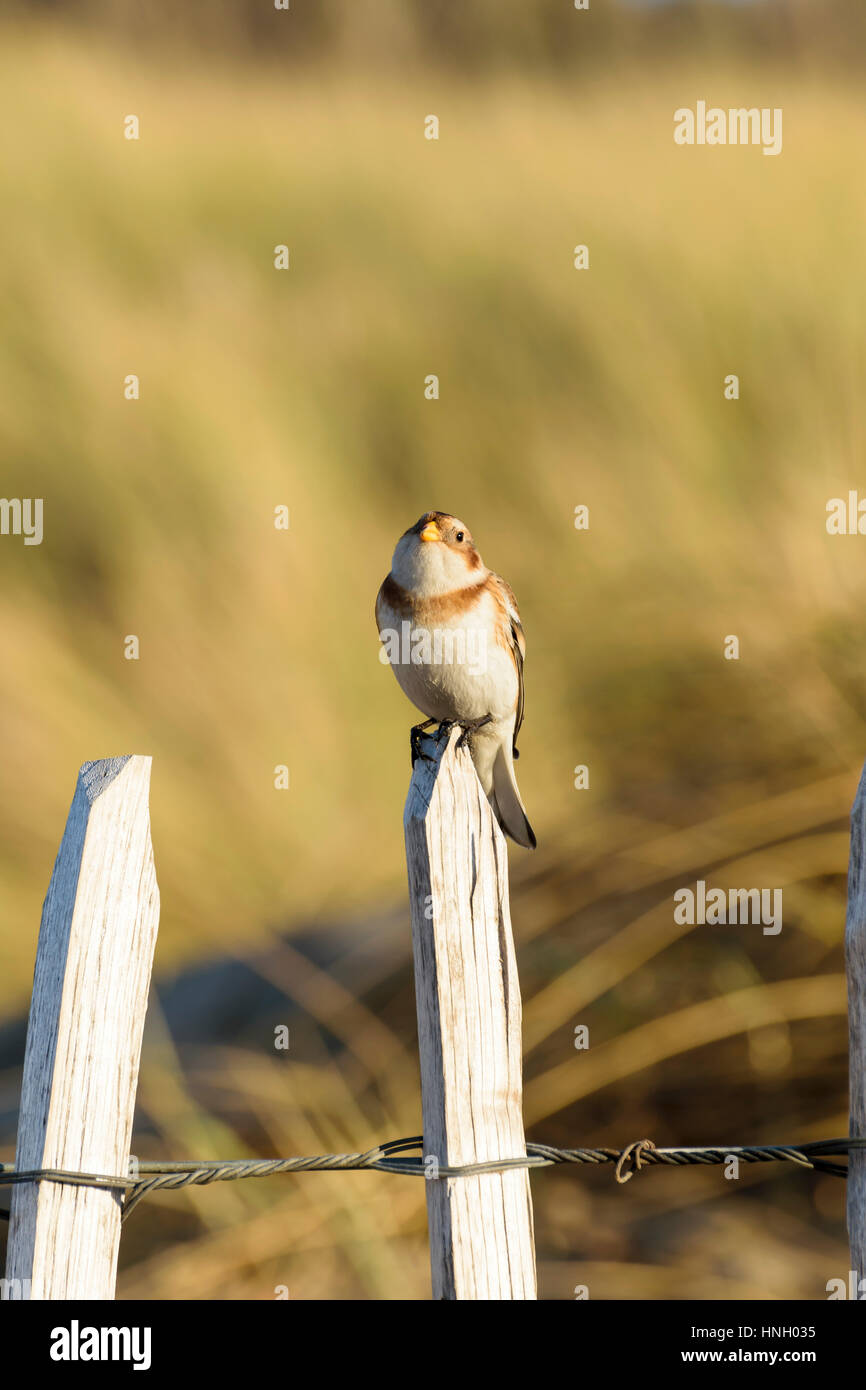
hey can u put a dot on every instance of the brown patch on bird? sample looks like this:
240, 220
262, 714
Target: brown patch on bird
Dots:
469, 553
427, 611
394, 597
424, 520
502, 626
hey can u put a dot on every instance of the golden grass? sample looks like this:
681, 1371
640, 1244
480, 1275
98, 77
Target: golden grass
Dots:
557, 387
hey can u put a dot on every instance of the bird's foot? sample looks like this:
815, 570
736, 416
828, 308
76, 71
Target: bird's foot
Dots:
416, 734
471, 726
443, 730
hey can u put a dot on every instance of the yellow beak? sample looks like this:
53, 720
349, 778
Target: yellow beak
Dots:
431, 532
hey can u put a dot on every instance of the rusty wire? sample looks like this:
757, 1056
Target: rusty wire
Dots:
395, 1157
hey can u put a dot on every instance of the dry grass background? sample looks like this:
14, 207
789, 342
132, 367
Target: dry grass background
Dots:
258, 648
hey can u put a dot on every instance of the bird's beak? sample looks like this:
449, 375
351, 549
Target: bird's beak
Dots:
431, 532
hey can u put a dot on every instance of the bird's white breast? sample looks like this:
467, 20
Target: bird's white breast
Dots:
452, 667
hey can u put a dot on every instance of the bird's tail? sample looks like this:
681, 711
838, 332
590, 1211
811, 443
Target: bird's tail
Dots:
505, 799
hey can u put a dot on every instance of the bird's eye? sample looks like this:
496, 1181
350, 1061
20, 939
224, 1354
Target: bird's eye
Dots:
459, 536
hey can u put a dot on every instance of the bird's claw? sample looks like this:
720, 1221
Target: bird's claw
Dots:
466, 726
416, 733
471, 726
443, 730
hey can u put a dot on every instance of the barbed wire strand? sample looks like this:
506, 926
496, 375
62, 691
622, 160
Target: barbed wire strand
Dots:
394, 1157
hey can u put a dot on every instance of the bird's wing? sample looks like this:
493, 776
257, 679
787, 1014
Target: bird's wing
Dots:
517, 644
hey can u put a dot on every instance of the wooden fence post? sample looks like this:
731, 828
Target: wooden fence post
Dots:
90, 987
469, 1017
855, 964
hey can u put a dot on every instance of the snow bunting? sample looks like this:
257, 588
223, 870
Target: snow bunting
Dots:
451, 631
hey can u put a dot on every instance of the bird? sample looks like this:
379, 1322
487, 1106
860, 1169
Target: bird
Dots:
450, 629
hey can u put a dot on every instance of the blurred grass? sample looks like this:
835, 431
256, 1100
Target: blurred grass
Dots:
258, 648
558, 387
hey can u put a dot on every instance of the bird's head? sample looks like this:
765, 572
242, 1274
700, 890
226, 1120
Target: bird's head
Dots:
436, 556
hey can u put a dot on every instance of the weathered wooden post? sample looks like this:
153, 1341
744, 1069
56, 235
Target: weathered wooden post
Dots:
469, 1017
855, 964
90, 987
